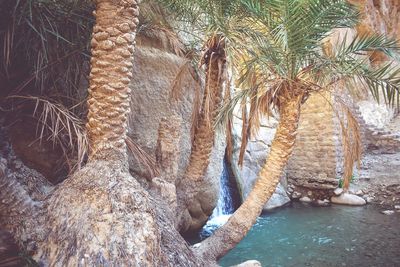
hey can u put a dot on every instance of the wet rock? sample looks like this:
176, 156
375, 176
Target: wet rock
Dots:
250, 263
305, 199
348, 199
387, 212
323, 203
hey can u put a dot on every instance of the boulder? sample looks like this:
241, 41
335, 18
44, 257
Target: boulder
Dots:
278, 199
348, 199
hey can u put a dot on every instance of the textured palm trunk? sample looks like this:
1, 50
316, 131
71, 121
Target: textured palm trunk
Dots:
200, 203
113, 43
101, 216
230, 234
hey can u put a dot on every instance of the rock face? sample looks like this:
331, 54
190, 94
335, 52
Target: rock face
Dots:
255, 156
313, 161
348, 199
155, 73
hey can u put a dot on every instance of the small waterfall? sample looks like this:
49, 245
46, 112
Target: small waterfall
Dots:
228, 201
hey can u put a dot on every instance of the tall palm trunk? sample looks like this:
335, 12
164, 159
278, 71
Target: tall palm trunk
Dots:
199, 203
101, 216
111, 71
230, 234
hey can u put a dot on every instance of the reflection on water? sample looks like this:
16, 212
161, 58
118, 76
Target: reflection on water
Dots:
301, 235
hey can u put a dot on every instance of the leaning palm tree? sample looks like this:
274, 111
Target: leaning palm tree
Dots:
289, 64
220, 32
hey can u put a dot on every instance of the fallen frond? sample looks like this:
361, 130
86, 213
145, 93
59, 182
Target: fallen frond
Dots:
62, 127
142, 157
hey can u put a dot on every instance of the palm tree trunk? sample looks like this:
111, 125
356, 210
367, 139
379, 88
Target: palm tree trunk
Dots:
111, 71
197, 211
230, 234
101, 215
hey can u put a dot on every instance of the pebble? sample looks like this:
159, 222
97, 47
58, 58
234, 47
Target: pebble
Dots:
338, 191
296, 195
359, 193
305, 199
387, 212
369, 199
323, 203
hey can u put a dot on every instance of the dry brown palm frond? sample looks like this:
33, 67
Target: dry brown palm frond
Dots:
176, 90
62, 127
195, 112
214, 52
142, 157
245, 131
228, 130
351, 138
254, 115
352, 147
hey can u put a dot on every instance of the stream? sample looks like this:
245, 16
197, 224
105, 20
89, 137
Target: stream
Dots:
303, 235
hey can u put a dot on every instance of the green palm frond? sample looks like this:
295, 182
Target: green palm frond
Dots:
362, 44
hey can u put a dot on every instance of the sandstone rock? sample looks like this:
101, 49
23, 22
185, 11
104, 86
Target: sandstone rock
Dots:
249, 263
154, 73
305, 199
338, 191
348, 199
278, 199
387, 212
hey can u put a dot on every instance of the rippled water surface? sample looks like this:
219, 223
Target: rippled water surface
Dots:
300, 235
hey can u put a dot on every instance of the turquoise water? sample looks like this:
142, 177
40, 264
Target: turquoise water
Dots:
301, 235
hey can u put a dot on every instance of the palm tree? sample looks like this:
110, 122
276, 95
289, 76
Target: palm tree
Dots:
217, 20
288, 65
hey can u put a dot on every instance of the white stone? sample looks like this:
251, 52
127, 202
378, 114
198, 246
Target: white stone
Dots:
388, 212
323, 203
249, 263
278, 199
338, 191
397, 207
348, 199
359, 192
296, 195
305, 199
369, 199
